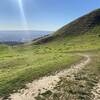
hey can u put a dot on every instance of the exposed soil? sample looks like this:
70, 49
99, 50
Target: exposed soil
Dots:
96, 92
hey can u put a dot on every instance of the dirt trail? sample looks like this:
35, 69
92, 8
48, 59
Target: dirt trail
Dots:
96, 92
48, 82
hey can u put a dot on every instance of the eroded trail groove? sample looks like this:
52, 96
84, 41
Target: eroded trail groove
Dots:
96, 92
49, 82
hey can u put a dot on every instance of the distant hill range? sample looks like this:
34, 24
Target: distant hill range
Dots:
19, 37
11, 42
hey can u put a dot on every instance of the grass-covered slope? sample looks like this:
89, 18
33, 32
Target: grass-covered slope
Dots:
82, 35
79, 35
18, 68
83, 29
23, 63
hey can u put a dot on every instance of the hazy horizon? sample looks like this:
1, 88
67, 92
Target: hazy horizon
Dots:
21, 36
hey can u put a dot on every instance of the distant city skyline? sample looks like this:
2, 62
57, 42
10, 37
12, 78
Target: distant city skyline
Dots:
42, 14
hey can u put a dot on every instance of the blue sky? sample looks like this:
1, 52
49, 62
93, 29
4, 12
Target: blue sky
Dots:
42, 14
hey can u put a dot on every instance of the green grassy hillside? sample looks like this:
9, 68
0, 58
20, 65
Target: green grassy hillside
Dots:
90, 40
82, 34
80, 26
24, 63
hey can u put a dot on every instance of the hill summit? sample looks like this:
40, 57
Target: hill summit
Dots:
81, 24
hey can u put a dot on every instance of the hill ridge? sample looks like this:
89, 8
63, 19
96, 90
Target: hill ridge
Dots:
79, 26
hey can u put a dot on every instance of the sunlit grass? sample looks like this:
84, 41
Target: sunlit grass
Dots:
18, 68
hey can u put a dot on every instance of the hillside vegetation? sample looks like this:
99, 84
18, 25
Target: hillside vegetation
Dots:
24, 63
79, 35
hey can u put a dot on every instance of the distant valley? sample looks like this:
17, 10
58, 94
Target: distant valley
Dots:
16, 37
